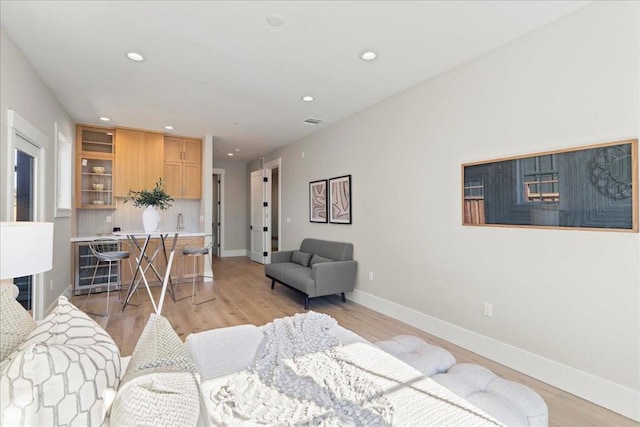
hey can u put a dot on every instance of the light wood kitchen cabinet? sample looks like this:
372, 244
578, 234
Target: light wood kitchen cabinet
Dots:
139, 157
183, 167
94, 168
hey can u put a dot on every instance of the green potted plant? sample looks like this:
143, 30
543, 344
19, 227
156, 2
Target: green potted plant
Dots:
153, 200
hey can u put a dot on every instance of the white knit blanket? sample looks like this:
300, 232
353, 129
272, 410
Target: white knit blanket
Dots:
298, 378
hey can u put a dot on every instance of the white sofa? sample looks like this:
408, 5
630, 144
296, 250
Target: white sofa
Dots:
68, 371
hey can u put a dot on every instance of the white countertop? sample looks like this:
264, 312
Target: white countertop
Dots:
120, 235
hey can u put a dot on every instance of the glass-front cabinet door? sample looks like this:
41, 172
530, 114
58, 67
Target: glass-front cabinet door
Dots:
94, 183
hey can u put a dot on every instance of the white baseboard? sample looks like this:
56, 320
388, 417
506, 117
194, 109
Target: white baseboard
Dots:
234, 252
600, 391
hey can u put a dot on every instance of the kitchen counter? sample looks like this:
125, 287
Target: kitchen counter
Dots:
122, 235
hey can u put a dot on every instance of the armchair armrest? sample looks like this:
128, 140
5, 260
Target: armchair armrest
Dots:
334, 277
282, 256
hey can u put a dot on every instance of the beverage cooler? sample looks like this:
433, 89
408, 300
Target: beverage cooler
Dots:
85, 264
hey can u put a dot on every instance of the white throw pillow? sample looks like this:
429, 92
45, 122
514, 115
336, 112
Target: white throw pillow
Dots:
61, 373
69, 325
15, 323
160, 386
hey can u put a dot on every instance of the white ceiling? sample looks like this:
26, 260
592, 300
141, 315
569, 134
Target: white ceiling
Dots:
218, 68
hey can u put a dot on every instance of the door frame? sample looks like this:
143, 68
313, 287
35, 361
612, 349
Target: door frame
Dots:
276, 164
220, 230
19, 127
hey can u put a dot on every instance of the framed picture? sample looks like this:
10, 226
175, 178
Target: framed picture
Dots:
592, 188
318, 201
340, 200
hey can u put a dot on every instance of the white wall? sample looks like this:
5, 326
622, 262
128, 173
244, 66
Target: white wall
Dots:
577, 323
22, 90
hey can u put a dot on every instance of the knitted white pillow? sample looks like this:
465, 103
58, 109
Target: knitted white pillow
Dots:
160, 386
15, 323
61, 373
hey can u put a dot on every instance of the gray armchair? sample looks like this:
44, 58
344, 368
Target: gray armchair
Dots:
318, 268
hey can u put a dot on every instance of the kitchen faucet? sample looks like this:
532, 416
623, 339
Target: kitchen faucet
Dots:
180, 222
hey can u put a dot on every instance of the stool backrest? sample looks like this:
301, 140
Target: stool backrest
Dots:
104, 246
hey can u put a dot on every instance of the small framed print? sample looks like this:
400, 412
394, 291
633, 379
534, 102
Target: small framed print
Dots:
318, 201
340, 200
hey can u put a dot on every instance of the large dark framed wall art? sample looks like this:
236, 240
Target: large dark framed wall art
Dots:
340, 200
591, 187
318, 201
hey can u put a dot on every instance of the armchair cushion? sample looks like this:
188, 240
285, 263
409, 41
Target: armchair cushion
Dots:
301, 258
318, 259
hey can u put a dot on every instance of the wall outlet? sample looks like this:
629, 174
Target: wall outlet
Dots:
50, 285
488, 309
302, 155
288, 220
371, 276
108, 219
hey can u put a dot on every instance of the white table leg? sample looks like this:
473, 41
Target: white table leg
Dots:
166, 281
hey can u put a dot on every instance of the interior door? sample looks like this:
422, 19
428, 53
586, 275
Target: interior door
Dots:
260, 218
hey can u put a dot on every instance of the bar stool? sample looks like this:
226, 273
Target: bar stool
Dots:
106, 251
194, 253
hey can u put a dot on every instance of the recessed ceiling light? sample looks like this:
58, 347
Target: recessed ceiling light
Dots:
105, 119
230, 154
275, 20
368, 55
168, 127
135, 56
307, 98
237, 150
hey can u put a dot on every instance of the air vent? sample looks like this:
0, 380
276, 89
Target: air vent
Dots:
312, 121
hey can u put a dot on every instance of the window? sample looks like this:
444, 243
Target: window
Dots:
540, 179
474, 190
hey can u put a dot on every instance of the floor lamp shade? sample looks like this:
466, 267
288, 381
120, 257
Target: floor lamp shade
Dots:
26, 248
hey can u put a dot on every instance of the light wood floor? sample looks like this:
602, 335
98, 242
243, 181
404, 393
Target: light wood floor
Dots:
245, 296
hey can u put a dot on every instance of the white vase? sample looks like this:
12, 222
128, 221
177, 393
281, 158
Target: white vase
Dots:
150, 219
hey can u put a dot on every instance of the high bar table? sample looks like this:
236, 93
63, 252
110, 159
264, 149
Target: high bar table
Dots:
133, 237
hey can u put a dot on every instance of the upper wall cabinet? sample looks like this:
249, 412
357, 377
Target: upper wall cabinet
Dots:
139, 159
183, 167
94, 168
